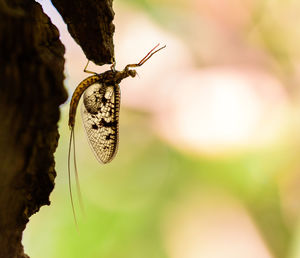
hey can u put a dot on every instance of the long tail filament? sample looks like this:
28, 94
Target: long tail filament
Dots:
69, 174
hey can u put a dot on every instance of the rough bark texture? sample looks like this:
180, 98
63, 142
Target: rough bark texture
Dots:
90, 24
31, 90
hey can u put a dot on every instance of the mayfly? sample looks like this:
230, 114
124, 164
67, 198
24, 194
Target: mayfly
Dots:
100, 111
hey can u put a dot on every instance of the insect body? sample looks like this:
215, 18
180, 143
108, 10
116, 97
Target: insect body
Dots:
100, 111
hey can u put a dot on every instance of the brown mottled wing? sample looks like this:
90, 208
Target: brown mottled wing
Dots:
100, 115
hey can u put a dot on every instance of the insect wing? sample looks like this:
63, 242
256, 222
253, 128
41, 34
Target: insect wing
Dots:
100, 116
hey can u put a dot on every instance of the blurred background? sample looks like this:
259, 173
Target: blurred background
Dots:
208, 163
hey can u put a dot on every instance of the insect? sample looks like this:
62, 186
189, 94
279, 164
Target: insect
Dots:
100, 112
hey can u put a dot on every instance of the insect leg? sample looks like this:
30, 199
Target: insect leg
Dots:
146, 58
87, 71
113, 66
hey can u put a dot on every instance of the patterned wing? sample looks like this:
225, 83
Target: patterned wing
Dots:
100, 115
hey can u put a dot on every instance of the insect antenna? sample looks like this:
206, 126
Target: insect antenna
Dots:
69, 175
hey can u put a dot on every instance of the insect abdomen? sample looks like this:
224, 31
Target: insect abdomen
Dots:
77, 95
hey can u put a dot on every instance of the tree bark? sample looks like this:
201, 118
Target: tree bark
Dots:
90, 24
31, 91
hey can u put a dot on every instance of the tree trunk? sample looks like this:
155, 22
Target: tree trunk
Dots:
31, 91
